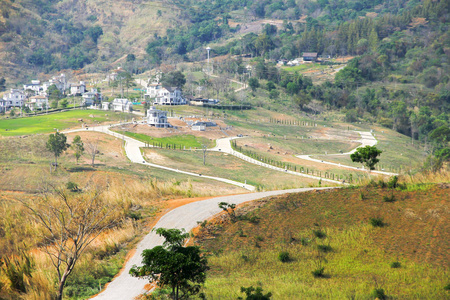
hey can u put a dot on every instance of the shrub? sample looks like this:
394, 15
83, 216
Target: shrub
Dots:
361, 196
320, 272
319, 234
379, 294
393, 182
390, 198
447, 287
284, 256
304, 241
396, 264
324, 248
73, 187
381, 183
377, 222
259, 238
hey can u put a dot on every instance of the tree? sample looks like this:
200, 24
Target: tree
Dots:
253, 83
92, 150
254, 294
78, 147
2, 84
54, 93
181, 268
174, 78
366, 155
68, 223
64, 103
57, 144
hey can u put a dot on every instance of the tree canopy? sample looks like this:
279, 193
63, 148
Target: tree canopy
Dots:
57, 144
367, 155
180, 268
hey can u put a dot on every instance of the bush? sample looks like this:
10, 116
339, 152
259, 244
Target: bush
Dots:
320, 272
324, 248
396, 264
390, 198
284, 256
379, 294
319, 234
393, 182
377, 222
73, 187
304, 241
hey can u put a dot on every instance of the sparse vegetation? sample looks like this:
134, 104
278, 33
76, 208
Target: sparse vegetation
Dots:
377, 222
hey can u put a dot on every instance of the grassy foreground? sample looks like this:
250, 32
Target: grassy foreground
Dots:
407, 257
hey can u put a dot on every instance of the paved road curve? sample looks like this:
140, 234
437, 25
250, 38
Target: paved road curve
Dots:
133, 152
125, 287
367, 139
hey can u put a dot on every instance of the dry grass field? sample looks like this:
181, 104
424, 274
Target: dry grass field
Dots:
357, 256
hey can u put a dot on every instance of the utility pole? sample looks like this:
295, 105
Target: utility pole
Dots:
209, 68
205, 148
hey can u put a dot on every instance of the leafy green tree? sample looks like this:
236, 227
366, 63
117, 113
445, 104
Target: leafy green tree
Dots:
181, 268
174, 78
54, 93
64, 103
254, 294
253, 83
270, 86
2, 84
366, 155
57, 144
78, 147
131, 57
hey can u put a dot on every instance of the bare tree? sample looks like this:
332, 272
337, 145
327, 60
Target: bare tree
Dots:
92, 150
70, 222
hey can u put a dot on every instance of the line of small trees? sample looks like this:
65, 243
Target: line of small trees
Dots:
291, 122
287, 166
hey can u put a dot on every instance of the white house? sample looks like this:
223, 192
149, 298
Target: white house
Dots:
106, 105
169, 96
38, 102
92, 97
157, 118
34, 86
78, 88
122, 104
152, 90
15, 98
2, 106
59, 81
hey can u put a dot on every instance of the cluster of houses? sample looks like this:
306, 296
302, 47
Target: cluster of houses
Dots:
34, 95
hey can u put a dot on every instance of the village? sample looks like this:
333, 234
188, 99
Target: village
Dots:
35, 98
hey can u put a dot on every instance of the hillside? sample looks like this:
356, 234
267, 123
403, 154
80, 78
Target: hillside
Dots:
332, 230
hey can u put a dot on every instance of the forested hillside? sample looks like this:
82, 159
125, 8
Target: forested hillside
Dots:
399, 77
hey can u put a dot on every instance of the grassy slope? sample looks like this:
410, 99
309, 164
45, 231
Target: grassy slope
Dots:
416, 235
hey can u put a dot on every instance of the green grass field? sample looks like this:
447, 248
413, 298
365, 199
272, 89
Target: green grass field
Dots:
359, 257
52, 122
187, 141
